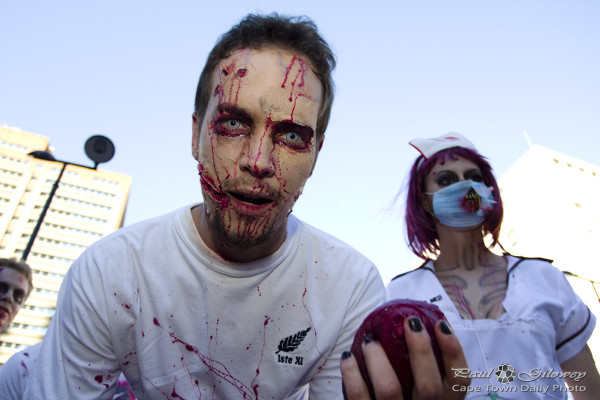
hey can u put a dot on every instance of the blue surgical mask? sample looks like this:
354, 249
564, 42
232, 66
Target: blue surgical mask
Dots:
462, 204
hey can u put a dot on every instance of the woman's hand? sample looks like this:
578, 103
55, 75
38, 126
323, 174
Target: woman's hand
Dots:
428, 382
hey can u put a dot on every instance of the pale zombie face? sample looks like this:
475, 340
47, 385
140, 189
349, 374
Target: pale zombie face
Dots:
256, 145
13, 289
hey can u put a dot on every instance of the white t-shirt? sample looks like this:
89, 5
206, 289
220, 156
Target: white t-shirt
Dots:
14, 376
152, 301
545, 324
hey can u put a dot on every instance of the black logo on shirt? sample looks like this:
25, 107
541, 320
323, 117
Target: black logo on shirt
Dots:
290, 344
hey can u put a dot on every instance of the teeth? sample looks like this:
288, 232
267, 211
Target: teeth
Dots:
472, 201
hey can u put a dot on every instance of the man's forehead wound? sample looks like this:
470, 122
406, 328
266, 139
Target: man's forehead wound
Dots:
231, 69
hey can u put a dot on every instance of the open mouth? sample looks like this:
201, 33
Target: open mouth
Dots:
472, 201
254, 200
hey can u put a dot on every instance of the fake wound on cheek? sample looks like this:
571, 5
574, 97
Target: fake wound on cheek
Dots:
213, 190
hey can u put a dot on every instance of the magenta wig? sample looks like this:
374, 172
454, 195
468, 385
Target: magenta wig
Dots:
422, 236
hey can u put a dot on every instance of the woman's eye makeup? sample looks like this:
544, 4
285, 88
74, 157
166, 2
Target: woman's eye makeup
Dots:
446, 178
475, 176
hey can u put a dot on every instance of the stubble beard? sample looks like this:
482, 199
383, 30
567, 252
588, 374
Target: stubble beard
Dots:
243, 231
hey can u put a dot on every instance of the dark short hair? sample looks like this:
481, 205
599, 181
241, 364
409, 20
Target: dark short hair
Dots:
298, 34
421, 234
22, 268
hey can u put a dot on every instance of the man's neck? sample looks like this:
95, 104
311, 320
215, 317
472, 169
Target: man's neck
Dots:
231, 251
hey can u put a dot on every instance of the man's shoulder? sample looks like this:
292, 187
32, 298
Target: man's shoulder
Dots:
143, 228
313, 232
320, 239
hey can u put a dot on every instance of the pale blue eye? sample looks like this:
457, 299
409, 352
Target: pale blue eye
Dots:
291, 136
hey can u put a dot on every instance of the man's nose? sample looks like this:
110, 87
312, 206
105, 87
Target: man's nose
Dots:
7, 296
258, 156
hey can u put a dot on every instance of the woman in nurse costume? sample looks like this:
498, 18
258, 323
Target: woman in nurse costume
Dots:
523, 328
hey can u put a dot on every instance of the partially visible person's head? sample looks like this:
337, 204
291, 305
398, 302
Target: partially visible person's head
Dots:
298, 35
422, 235
15, 286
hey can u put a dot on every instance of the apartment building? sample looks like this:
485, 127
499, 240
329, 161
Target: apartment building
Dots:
88, 204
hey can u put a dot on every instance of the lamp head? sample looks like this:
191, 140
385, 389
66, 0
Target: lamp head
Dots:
99, 149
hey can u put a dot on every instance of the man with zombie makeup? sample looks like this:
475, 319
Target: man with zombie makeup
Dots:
232, 298
510, 313
15, 286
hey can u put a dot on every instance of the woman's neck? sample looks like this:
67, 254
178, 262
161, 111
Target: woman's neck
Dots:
463, 249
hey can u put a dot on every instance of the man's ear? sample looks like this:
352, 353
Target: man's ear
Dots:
195, 136
317, 155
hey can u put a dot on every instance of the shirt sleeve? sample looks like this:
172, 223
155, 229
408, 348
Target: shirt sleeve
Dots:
575, 325
13, 377
369, 294
77, 347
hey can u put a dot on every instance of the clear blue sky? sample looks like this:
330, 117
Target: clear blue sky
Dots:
487, 69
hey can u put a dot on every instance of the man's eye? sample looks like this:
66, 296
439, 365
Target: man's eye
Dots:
293, 140
291, 137
18, 296
233, 124
230, 127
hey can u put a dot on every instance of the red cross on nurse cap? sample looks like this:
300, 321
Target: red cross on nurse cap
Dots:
428, 147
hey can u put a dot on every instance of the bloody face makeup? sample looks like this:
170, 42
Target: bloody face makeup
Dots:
256, 144
13, 290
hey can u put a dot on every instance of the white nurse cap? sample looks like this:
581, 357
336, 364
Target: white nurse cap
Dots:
428, 147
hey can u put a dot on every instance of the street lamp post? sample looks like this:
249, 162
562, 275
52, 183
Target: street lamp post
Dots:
98, 148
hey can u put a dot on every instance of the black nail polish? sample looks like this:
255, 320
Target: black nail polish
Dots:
368, 338
415, 324
445, 328
346, 354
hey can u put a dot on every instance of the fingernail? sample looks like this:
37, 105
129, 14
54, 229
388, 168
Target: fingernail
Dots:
445, 328
346, 354
368, 338
415, 324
